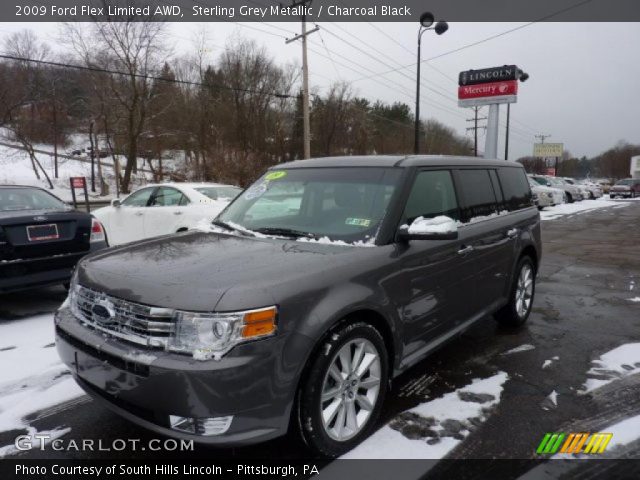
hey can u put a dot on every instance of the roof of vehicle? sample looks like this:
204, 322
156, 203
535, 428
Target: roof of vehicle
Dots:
19, 186
187, 184
401, 161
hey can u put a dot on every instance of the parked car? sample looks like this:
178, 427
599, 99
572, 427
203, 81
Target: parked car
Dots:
605, 184
305, 316
42, 238
584, 192
626, 188
550, 196
163, 209
593, 189
541, 197
572, 192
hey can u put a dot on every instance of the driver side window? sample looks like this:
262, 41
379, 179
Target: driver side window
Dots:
432, 195
139, 198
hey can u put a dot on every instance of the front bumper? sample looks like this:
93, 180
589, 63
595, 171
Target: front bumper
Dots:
620, 193
38, 272
255, 382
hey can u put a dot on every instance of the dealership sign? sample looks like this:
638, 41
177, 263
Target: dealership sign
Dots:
488, 86
488, 75
544, 150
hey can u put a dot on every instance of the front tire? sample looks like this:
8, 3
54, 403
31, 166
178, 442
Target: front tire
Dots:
516, 312
340, 400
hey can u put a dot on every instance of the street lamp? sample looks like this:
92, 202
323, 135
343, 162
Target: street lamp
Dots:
523, 77
426, 23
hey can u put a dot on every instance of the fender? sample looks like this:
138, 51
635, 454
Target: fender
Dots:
345, 299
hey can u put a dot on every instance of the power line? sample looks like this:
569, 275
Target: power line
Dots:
142, 76
486, 39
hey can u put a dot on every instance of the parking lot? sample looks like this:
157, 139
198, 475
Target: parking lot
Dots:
486, 386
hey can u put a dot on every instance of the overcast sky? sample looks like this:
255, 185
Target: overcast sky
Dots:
584, 86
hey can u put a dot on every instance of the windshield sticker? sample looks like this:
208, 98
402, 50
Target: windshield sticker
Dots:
358, 222
275, 175
256, 191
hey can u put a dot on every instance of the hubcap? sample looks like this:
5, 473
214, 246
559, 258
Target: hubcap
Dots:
350, 389
524, 291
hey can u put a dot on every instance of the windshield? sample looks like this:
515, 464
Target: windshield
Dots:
220, 193
541, 180
344, 204
25, 198
627, 181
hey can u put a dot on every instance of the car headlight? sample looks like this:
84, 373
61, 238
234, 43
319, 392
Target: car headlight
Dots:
211, 335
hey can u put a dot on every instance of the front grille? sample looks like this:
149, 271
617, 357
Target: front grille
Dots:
140, 324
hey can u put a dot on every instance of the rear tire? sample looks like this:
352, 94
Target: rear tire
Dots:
516, 312
340, 399
569, 197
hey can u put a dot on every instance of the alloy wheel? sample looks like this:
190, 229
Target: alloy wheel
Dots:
524, 291
350, 389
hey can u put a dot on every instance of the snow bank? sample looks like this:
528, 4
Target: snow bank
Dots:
552, 213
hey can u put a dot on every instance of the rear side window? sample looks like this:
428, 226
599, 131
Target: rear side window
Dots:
476, 189
139, 198
517, 194
432, 195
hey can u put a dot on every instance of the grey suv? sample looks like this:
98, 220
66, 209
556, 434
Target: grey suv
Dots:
308, 294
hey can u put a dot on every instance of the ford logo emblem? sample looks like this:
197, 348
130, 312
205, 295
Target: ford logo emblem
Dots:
103, 311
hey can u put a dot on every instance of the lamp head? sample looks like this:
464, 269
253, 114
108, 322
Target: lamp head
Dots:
426, 19
441, 27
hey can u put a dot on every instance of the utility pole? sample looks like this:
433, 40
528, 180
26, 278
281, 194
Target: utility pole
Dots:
475, 128
506, 138
542, 137
306, 123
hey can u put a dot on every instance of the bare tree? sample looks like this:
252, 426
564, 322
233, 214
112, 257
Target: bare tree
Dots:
137, 49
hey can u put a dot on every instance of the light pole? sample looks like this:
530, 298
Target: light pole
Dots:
426, 23
523, 77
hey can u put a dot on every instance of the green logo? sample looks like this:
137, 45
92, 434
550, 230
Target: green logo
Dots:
275, 175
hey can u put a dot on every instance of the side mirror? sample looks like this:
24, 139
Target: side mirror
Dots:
438, 228
115, 202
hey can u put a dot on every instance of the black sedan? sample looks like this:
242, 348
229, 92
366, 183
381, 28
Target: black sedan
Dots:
42, 238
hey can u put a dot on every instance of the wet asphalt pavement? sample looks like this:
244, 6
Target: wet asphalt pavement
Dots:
590, 269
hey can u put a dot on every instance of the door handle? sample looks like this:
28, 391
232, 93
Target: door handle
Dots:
139, 214
512, 233
465, 250
177, 213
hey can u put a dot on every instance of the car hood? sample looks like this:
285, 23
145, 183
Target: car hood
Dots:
193, 270
621, 187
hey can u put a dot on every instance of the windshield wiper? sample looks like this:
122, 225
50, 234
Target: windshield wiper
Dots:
285, 232
231, 228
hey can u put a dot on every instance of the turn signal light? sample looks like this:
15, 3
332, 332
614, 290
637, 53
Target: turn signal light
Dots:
260, 322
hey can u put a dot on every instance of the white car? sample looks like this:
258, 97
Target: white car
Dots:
547, 196
161, 209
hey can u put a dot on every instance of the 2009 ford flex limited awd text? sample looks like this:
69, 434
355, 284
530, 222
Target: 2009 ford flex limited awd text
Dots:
308, 294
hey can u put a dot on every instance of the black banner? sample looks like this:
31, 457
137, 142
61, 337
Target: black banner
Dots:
320, 10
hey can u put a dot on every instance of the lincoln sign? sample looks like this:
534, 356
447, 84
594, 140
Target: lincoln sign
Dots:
488, 86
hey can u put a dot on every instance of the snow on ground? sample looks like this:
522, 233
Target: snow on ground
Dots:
634, 299
522, 348
553, 213
617, 363
33, 377
16, 169
548, 363
432, 429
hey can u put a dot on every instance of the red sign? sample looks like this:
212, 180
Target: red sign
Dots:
78, 182
482, 90
551, 171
